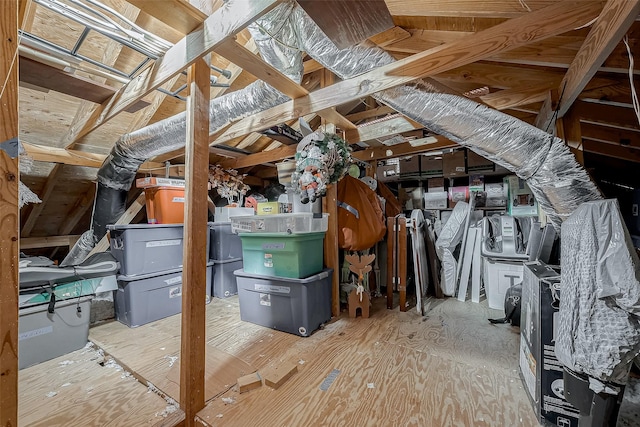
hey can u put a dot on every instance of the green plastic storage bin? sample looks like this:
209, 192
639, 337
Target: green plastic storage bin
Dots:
281, 254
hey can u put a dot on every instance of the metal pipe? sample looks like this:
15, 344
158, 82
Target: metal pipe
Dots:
80, 40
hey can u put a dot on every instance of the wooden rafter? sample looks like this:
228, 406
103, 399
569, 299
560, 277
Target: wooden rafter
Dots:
611, 25
47, 242
256, 66
555, 19
611, 150
43, 153
37, 208
178, 14
126, 218
194, 46
78, 211
612, 115
463, 8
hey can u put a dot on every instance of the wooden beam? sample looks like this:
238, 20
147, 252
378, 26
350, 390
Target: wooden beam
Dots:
605, 113
178, 14
330, 206
380, 129
404, 149
611, 150
611, 25
253, 64
78, 211
37, 208
571, 132
629, 137
63, 156
371, 114
552, 20
9, 217
390, 36
45, 76
555, 19
464, 8
260, 158
47, 242
510, 98
126, 218
194, 46
194, 278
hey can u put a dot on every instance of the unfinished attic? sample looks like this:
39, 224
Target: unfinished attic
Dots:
292, 213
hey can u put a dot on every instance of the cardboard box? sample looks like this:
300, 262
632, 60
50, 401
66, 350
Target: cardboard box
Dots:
437, 200
476, 162
431, 166
388, 170
454, 163
410, 166
540, 370
435, 185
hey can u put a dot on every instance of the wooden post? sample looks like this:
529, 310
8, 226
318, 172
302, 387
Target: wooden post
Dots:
330, 206
331, 259
9, 219
194, 281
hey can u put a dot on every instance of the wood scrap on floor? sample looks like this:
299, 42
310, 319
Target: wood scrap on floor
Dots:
249, 382
275, 376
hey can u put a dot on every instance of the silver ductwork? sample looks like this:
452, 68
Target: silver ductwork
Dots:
559, 183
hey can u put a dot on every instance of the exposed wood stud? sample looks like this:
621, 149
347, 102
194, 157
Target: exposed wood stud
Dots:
194, 293
9, 217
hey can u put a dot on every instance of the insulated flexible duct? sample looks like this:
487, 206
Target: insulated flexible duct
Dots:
559, 183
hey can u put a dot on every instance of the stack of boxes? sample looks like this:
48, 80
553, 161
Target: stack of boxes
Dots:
283, 285
150, 280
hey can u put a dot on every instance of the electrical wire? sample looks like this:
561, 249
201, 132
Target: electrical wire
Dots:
634, 95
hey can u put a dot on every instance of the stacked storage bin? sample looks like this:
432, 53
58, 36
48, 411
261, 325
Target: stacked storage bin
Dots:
226, 254
283, 285
150, 280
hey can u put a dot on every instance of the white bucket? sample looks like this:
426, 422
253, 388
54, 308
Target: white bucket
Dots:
285, 170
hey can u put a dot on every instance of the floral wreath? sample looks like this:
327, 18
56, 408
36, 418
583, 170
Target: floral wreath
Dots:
327, 152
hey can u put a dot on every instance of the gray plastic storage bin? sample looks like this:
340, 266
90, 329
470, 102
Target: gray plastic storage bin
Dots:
147, 248
224, 244
224, 281
297, 306
43, 335
143, 299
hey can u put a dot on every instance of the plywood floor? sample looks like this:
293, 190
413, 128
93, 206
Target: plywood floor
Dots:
83, 388
449, 368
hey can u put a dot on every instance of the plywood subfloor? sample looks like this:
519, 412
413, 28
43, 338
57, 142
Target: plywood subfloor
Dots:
449, 368
80, 389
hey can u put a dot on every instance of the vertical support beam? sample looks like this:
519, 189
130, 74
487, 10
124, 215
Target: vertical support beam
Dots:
9, 219
572, 133
330, 206
194, 281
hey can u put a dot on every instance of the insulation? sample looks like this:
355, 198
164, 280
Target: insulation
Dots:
599, 323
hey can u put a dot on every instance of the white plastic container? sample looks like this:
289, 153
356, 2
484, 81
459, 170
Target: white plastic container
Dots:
280, 223
498, 276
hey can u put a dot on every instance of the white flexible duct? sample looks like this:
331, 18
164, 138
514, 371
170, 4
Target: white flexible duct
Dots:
559, 183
